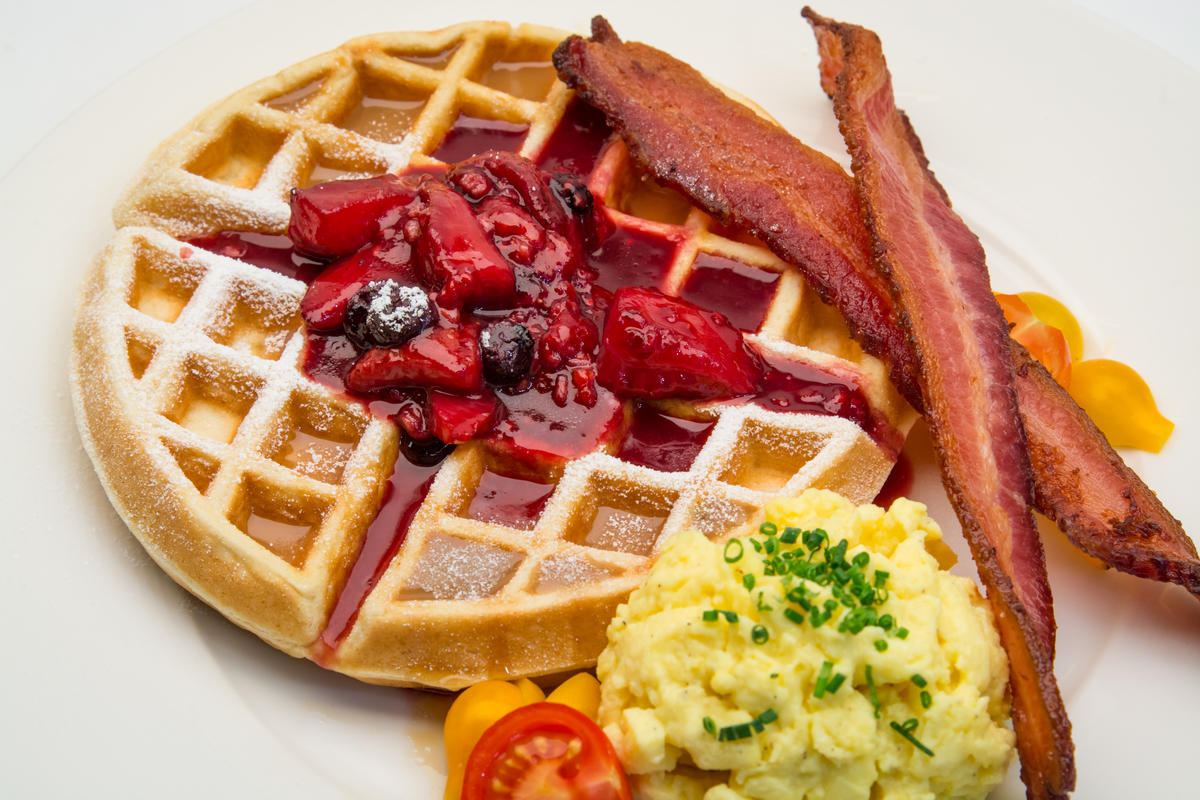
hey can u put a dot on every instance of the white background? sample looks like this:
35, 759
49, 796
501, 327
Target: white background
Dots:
116, 684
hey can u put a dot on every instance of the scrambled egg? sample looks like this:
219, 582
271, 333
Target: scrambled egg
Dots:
736, 671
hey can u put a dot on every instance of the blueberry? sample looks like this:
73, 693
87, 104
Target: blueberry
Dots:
387, 314
423, 452
573, 191
507, 349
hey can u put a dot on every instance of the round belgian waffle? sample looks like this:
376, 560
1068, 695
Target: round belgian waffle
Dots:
254, 486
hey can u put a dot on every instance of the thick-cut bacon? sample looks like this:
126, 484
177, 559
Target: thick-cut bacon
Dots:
747, 171
942, 292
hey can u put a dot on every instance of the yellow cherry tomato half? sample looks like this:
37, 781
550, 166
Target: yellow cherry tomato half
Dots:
530, 691
472, 713
1120, 403
581, 692
1043, 341
1056, 315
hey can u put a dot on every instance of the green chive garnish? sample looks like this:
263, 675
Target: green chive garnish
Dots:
748, 581
794, 615
881, 645
709, 616
759, 634
881, 578
733, 551
710, 726
768, 529
920, 681
836, 683
902, 633
906, 730
823, 679
789, 535
871, 694
926, 699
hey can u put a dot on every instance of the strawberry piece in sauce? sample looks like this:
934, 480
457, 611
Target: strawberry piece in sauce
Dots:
457, 258
657, 346
444, 357
455, 419
339, 217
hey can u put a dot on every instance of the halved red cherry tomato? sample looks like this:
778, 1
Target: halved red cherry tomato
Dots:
544, 751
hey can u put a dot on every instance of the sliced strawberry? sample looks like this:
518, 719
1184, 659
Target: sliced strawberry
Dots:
658, 346
443, 357
455, 419
457, 258
324, 304
339, 217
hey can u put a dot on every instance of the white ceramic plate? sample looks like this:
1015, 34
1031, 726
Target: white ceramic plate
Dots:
1066, 144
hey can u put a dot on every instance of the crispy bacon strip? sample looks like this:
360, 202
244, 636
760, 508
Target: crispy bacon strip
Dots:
747, 171
942, 292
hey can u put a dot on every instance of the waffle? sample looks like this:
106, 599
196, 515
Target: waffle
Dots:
255, 487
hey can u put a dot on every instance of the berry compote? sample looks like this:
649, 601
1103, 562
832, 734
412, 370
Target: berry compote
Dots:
498, 302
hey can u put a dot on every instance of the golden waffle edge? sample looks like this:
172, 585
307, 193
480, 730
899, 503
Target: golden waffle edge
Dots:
191, 402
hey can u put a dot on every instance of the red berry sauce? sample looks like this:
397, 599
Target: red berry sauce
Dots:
739, 291
263, 250
631, 257
577, 142
470, 136
660, 441
505, 500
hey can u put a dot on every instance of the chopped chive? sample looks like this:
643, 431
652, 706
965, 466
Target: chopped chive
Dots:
906, 731
861, 560
768, 529
761, 606
789, 535
836, 683
794, 615
823, 679
709, 616
734, 732
886, 622
759, 634
768, 716
733, 550
770, 546
730, 616
926, 699
881, 645
920, 681
902, 633
710, 726
881, 578
773, 675
871, 693
748, 581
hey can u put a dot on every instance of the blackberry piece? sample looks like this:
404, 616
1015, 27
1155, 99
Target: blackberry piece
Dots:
507, 350
573, 191
387, 314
